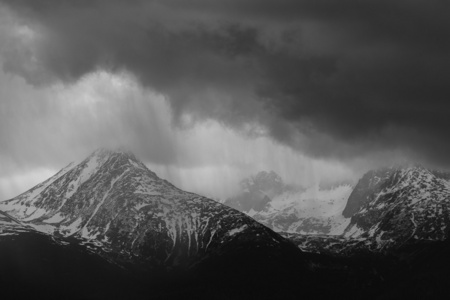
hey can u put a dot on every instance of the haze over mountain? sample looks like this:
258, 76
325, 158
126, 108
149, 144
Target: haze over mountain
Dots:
286, 208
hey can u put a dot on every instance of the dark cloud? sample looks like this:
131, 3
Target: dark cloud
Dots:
332, 78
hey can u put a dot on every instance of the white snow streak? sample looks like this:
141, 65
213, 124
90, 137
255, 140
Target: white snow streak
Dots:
237, 230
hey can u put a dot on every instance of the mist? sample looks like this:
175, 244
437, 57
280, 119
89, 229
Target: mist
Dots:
111, 110
206, 94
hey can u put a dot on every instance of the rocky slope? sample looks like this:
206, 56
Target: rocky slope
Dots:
288, 209
406, 204
391, 208
10, 226
113, 203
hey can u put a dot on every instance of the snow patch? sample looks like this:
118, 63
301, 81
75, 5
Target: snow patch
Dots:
57, 218
37, 213
354, 232
72, 228
141, 205
237, 230
49, 229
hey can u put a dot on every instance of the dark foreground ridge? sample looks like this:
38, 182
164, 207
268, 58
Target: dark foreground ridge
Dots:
35, 266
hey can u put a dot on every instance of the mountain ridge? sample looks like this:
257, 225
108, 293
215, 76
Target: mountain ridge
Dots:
390, 208
165, 243
115, 202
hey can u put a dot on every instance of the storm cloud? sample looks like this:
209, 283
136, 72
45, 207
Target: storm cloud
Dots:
368, 75
339, 80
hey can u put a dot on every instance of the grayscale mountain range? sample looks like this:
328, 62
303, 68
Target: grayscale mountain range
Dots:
110, 217
204, 93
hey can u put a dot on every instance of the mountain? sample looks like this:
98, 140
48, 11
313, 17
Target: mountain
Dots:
257, 191
390, 208
10, 226
365, 190
109, 228
113, 202
401, 205
285, 208
396, 245
311, 211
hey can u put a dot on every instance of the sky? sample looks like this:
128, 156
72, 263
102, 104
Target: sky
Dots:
207, 92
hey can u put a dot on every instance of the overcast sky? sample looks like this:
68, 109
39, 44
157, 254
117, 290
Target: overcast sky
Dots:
207, 92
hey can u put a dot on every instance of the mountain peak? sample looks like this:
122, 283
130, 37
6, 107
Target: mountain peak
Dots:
114, 201
265, 182
414, 194
114, 157
379, 179
105, 152
103, 166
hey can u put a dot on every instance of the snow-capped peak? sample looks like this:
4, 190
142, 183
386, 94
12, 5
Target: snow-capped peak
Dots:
401, 203
114, 201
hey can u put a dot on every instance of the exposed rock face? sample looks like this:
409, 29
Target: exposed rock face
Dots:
391, 208
366, 189
410, 203
114, 203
